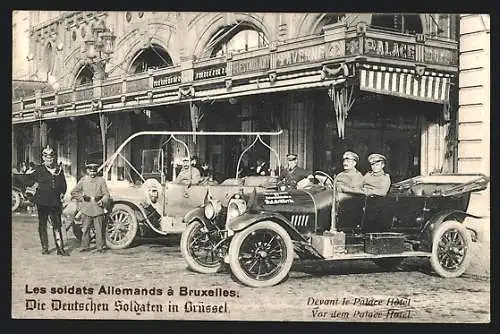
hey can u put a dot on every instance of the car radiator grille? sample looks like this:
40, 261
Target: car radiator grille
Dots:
299, 220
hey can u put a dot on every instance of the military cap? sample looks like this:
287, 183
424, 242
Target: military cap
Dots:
91, 164
375, 157
48, 152
350, 155
291, 156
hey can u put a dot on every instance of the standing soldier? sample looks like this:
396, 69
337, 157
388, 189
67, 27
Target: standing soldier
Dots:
349, 180
293, 174
49, 188
92, 193
376, 182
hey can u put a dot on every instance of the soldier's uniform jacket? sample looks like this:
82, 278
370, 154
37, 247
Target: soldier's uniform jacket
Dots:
50, 185
349, 180
188, 175
88, 191
291, 177
376, 183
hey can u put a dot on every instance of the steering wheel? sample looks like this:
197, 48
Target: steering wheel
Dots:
327, 182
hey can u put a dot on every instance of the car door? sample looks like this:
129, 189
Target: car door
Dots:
349, 211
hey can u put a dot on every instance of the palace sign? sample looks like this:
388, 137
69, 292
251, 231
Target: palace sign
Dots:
389, 49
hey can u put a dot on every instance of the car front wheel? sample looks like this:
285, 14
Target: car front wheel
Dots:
450, 249
121, 227
198, 248
261, 255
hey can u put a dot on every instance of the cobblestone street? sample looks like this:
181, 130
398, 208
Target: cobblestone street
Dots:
155, 265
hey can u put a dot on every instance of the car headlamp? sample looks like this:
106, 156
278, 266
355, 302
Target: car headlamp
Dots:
236, 208
212, 209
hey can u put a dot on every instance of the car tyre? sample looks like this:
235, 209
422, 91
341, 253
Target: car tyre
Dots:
265, 244
450, 249
16, 199
121, 227
188, 240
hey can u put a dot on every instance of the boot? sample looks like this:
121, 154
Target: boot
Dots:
59, 242
44, 240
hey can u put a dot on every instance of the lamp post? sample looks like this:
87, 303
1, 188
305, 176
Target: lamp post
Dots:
98, 49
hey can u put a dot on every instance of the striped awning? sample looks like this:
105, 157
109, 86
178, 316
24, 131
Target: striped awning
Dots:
430, 86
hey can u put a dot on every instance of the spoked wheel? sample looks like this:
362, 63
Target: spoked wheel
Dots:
450, 249
121, 227
198, 248
16, 199
261, 255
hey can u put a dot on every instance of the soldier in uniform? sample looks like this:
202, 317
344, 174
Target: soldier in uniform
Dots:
351, 179
293, 174
376, 182
188, 174
92, 193
49, 188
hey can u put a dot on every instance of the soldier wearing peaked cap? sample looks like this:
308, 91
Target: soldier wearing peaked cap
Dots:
49, 188
349, 180
93, 194
293, 174
376, 182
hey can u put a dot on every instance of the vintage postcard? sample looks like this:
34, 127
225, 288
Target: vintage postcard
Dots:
267, 166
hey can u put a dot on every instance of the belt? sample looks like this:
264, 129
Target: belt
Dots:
92, 199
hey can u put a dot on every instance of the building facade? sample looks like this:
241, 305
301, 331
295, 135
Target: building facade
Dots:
384, 83
474, 106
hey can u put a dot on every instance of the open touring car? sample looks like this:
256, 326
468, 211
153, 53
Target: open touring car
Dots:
259, 234
148, 205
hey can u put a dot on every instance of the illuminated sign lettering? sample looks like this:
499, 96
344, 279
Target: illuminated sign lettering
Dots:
210, 72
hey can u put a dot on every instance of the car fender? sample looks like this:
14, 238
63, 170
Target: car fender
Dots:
242, 222
435, 221
196, 214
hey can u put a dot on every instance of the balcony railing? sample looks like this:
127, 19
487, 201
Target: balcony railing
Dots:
336, 44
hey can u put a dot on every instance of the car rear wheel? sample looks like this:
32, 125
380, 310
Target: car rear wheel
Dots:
198, 248
16, 199
121, 227
450, 249
261, 255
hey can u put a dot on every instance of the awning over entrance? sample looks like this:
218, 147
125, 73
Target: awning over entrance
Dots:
430, 86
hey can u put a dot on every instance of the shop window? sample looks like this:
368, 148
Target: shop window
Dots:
237, 38
85, 76
152, 57
408, 24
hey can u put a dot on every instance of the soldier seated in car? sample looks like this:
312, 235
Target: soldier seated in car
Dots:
350, 180
189, 174
376, 182
291, 175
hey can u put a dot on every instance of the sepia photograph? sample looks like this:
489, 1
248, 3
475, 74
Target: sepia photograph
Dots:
251, 166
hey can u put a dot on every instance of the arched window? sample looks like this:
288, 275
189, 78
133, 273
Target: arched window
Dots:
329, 18
152, 57
237, 38
85, 76
408, 24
